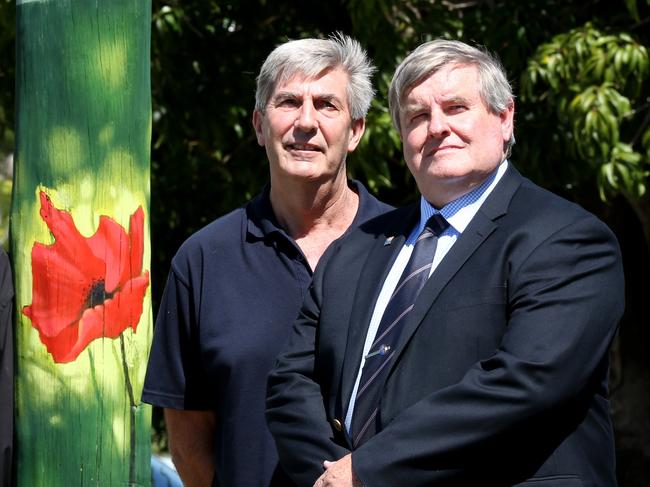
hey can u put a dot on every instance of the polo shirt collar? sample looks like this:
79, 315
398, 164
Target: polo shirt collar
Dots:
262, 222
261, 219
366, 209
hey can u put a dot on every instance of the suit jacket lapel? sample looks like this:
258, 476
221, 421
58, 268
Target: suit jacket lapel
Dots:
375, 269
481, 226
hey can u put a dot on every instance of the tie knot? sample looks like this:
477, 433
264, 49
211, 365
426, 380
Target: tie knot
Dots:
436, 224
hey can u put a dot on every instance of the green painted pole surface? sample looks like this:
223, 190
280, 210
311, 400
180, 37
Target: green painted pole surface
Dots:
80, 242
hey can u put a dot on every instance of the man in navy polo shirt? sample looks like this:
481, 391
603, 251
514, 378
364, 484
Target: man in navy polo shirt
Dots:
236, 286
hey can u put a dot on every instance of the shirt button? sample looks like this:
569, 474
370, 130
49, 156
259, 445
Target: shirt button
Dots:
338, 426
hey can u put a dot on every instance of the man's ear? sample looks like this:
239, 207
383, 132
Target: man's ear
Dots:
357, 128
258, 119
507, 117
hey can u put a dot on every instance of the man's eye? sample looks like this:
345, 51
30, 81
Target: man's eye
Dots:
288, 103
418, 117
325, 105
456, 108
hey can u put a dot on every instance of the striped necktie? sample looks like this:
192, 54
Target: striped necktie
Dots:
401, 302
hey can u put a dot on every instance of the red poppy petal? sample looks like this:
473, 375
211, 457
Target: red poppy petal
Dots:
61, 345
110, 244
125, 308
59, 289
107, 320
69, 242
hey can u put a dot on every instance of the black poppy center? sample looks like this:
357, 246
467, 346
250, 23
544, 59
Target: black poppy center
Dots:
97, 294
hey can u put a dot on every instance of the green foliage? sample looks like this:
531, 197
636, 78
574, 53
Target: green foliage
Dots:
7, 70
595, 82
633, 9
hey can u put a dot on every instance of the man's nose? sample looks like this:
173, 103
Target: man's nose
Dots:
306, 119
438, 124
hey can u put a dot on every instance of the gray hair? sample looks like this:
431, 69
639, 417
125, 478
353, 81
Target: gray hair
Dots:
310, 57
494, 88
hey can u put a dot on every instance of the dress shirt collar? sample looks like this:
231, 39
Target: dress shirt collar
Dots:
461, 211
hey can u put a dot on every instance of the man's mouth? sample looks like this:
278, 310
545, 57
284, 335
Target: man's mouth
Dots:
304, 147
446, 147
442, 149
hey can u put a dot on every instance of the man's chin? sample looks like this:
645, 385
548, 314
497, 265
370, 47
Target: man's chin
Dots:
309, 173
445, 188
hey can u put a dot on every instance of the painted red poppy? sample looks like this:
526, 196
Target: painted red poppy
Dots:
86, 288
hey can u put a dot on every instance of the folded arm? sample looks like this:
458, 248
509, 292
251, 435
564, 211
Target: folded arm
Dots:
295, 410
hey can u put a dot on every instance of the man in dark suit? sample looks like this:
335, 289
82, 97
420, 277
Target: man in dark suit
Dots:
495, 372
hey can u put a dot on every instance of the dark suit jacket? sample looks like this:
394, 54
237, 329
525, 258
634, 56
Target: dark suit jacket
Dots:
501, 371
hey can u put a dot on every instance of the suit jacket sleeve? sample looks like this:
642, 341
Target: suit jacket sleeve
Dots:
564, 299
295, 410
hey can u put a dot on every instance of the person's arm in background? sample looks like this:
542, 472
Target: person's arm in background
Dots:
191, 443
6, 370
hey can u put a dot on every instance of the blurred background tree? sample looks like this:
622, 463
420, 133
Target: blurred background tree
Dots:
579, 69
7, 69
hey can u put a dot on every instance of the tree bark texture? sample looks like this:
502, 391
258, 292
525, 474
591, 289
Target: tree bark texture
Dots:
80, 242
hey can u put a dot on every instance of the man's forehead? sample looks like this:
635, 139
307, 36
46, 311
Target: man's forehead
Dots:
331, 81
456, 81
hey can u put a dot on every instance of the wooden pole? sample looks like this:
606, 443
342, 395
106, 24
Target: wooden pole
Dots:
80, 242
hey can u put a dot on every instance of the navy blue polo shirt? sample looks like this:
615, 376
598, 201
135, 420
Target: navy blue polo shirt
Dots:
234, 289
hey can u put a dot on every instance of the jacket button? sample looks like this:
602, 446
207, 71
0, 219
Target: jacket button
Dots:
337, 425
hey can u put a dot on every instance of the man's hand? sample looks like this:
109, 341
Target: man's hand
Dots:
338, 474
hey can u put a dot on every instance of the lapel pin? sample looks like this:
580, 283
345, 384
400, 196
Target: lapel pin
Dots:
388, 241
383, 350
